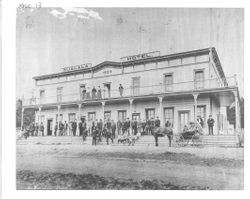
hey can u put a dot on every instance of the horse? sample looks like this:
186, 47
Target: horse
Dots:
161, 132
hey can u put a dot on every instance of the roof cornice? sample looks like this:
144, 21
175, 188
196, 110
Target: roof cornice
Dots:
125, 64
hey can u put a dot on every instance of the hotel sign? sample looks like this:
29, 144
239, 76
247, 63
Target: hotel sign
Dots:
140, 56
77, 67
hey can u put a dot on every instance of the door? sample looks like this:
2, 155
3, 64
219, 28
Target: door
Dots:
184, 119
135, 86
107, 91
122, 115
49, 126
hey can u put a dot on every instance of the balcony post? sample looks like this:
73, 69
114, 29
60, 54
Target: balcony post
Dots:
161, 111
22, 118
237, 111
131, 112
103, 110
195, 95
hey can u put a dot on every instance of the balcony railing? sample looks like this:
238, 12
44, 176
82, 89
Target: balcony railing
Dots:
135, 91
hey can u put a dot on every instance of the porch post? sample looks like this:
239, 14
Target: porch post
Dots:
78, 119
195, 105
237, 111
58, 112
103, 110
161, 111
130, 112
22, 118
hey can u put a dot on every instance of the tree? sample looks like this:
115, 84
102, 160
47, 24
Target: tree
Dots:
28, 115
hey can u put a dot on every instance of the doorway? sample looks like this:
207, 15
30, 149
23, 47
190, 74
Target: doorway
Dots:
107, 92
49, 126
184, 119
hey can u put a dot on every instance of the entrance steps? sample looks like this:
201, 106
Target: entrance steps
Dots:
216, 140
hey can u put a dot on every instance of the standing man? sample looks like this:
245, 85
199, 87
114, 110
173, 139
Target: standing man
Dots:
84, 92
65, 128
94, 93
41, 129
74, 126
143, 126
127, 125
113, 129
80, 128
119, 127
36, 129
100, 127
210, 123
152, 125
121, 90
61, 128
157, 122
99, 92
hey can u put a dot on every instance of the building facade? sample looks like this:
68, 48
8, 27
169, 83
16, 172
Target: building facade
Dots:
176, 88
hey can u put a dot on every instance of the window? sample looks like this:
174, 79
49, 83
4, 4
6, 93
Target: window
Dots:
122, 115
169, 115
199, 79
135, 86
150, 113
168, 82
59, 94
42, 94
72, 117
107, 115
91, 116
60, 119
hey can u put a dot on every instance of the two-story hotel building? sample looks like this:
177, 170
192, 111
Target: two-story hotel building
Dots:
175, 87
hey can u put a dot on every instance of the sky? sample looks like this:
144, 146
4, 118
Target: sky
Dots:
49, 39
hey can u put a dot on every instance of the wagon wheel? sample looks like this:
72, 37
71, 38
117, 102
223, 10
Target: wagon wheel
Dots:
179, 140
196, 140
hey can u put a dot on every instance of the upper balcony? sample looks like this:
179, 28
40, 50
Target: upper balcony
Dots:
134, 91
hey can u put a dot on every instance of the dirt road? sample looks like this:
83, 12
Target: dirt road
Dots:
168, 165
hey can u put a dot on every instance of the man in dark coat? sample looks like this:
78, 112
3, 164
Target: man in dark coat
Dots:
41, 128
74, 126
210, 123
80, 128
157, 122
113, 129
119, 127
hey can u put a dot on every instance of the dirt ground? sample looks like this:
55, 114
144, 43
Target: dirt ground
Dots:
128, 167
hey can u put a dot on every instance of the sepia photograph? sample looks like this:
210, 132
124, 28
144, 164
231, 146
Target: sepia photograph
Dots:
118, 98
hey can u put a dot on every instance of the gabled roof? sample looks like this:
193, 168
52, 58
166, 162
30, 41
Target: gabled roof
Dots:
137, 62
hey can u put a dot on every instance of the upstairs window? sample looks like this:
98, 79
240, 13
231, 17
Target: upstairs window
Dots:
42, 95
59, 94
168, 82
199, 79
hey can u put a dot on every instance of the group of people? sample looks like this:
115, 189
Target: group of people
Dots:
65, 129
97, 93
34, 129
